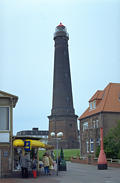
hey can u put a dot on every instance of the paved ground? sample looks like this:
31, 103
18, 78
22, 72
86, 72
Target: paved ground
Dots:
76, 173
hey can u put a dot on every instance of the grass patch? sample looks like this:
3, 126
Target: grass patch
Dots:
68, 153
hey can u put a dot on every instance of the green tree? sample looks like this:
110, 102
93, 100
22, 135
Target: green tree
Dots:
61, 154
97, 151
112, 143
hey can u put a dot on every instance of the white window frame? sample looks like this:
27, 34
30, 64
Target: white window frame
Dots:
91, 143
94, 104
8, 119
85, 126
91, 107
87, 146
97, 123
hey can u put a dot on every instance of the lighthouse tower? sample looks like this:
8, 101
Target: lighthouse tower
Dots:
63, 118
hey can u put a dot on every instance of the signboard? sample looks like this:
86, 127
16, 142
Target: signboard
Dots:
27, 146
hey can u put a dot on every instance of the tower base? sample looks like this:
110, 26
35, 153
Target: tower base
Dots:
68, 125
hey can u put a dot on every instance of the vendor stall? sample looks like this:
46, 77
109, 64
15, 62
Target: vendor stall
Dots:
31, 146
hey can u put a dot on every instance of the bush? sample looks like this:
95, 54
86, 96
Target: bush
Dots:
118, 156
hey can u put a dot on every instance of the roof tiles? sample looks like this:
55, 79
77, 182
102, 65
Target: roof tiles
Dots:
107, 100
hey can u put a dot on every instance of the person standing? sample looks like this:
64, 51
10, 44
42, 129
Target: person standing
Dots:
51, 164
34, 167
24, 162
52, 155
46, 164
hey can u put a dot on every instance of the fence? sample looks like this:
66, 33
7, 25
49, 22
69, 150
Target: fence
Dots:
94, 161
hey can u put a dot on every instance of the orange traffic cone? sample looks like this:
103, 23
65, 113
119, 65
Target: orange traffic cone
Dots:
34, 173
102, 161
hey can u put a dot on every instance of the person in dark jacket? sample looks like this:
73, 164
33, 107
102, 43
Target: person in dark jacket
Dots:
24, 162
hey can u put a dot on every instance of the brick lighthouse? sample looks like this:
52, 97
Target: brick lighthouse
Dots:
63, 118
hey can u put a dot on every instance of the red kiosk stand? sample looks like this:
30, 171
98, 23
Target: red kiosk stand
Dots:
102, 161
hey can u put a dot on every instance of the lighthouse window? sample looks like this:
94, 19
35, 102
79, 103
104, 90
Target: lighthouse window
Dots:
67, 98
66, 75
65, 53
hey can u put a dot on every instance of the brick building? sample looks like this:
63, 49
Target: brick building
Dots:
103, 111
7, 103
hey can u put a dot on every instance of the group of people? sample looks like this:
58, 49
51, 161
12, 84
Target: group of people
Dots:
48, 163
25, 163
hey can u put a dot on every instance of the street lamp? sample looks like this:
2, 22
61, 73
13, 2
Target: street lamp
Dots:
57, 137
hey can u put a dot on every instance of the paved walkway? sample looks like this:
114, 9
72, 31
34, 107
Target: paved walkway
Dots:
76, 173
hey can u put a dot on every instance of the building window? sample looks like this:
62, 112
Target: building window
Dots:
90, 105
93, 105
85, 126
4, 118
97, 123
94, 125
97, 142
91, 145
119, 97
87, 146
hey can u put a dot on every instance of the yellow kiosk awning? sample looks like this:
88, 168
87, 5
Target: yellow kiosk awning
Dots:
31, 143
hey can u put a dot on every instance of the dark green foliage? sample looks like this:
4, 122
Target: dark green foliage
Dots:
62, 154
32, 154
112, 142
119, 154
97, 151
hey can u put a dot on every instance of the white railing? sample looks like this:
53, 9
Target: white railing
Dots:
113, 160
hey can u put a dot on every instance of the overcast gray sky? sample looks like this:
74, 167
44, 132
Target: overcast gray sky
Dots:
27, 53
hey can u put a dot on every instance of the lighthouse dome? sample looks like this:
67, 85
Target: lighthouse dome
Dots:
61, 31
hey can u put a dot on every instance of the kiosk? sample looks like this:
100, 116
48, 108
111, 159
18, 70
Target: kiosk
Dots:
30, 145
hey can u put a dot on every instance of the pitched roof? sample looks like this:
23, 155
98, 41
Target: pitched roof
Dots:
8, 95
97, 96
107, 100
